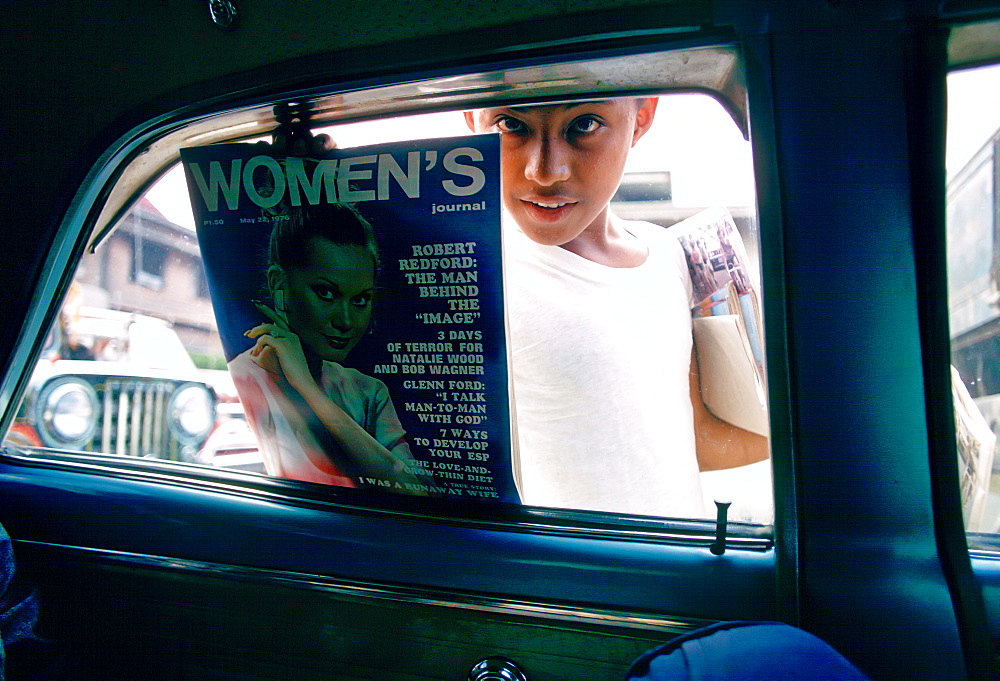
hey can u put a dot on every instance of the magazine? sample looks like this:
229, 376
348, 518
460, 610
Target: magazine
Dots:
725, 319
376, 271
976, 443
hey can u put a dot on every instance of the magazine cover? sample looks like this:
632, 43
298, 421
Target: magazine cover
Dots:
359, 300
726, 319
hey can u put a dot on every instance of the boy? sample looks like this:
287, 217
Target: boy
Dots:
609, 413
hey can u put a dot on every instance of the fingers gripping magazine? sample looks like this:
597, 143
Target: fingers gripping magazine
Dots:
726, 319
359, 301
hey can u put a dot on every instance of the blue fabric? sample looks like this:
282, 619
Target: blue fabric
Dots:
18, 606
744, 651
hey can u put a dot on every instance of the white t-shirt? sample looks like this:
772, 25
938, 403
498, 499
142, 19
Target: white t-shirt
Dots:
600, 361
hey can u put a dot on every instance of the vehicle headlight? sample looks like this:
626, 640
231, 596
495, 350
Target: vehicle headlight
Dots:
68, 413
192, 412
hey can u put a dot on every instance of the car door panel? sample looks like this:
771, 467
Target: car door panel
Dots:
368, 592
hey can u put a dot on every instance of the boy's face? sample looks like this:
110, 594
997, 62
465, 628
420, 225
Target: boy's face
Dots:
561, 164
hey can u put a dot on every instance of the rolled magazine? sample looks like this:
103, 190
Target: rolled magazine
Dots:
725, 319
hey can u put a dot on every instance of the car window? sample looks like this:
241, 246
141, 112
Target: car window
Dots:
972, 222
136, 366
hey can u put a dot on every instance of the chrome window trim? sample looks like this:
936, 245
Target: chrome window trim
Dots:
973, 44
371, 590
529, 519
716, 71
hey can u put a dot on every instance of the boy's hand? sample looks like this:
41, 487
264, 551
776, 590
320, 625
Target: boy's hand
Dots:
284, 144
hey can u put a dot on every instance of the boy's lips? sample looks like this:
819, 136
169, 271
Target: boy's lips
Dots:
548, 209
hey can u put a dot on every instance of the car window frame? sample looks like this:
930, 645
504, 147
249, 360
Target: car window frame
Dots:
127, 169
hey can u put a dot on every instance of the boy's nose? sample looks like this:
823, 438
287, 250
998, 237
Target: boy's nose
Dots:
548, 162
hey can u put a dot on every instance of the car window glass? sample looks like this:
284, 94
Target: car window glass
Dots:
973, 257
137, 352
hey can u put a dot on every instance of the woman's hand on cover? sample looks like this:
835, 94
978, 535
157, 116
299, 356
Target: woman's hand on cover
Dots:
279, 349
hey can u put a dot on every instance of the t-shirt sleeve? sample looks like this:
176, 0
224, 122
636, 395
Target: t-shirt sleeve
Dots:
662, 238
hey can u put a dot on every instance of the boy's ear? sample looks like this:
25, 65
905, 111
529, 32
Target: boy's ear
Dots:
644, 117
470, 120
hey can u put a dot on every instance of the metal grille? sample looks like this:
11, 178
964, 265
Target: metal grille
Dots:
134, 419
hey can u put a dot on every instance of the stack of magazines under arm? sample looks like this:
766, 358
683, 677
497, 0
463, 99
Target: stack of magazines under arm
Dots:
725, 319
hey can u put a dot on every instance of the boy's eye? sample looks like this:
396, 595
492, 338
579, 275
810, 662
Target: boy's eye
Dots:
509, 124
584, 124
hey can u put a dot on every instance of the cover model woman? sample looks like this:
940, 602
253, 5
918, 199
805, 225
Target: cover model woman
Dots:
315, 419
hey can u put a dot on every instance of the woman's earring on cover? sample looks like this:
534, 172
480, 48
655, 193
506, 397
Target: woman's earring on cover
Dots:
279, 300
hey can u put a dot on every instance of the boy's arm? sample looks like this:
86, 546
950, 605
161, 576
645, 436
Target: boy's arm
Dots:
720, 444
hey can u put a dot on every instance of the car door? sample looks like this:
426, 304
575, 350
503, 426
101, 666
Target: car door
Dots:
187, 569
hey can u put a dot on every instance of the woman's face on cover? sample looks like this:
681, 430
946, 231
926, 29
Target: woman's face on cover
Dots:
328, 301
